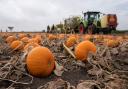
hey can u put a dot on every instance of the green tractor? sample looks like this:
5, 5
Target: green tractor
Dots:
95, 22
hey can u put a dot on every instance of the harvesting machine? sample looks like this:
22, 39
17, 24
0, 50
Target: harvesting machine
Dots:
92, 22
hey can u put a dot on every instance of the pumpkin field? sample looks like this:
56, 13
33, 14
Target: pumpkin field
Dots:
63, 61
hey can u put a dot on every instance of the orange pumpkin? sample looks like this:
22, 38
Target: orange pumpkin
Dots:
51, 37
25, 39
112, 43
33, 45
37, 39
33, 40
40, 62
120, 38
87, 37
109, 36
10, 39
83, 48
61, 36
21, 36
71, 41
17, 45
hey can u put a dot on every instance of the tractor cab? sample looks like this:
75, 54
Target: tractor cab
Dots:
91, 17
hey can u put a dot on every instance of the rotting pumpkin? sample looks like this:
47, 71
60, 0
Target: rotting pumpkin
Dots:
40, 62
82, 50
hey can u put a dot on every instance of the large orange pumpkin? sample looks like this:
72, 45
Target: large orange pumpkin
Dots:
71, 41
83, 48
10, 39
17, 45
40, 62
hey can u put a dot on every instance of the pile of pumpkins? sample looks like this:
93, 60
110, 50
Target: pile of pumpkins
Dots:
40, 60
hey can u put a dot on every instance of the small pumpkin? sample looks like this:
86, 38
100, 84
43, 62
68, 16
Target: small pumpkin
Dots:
112, 43
10, 39
32, 45
87, 37
17, 45
61, 36
21, 35
71, 41
37, 39
40, 62
83, 48
32, 40
51, 37
25, 39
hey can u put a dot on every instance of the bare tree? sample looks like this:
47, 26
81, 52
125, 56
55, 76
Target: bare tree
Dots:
10, 28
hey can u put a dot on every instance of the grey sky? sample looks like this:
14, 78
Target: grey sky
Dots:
37, 14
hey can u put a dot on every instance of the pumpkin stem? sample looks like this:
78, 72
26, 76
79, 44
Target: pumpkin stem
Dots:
69, 51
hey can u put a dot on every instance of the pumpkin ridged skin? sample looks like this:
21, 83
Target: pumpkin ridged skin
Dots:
70, 41
17, 44
40, 62
82, 50
10, 39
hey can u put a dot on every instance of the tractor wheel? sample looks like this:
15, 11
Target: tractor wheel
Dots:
91, 29
81, 28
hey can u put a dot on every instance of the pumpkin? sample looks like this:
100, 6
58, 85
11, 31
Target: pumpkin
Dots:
17, 45
37, 39
33, 40
33, 45
112, 43
40, 62
21, 36
25, 39
10, 39
51, 37
119, 38
87, 37
83, 48
61, 36
109, 36
71, 41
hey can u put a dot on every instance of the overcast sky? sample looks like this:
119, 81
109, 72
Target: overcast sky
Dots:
32, 15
